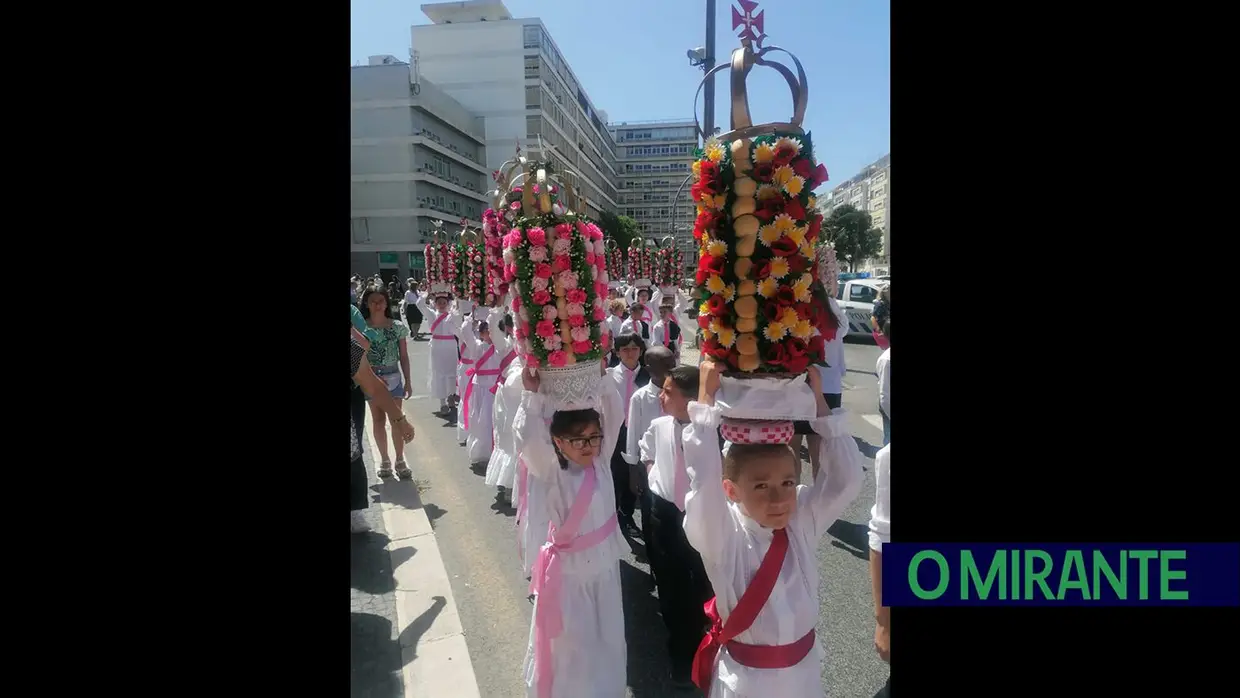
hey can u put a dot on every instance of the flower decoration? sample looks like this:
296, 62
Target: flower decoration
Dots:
763, 305
615, 263
475, 268
494, 228
454, 268
556, 260
635, 260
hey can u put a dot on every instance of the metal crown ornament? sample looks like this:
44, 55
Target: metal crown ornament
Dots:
763, 309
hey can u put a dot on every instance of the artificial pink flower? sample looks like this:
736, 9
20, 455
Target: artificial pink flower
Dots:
537, 236
561, 246
531, 360
589, 258
542, 297
576, 320
557, 358
600, 314
521, 334
580, 334
552, 343
546, 328
604, 341
561, 263
542, 271
563, 231
575, 309
582, 347
516, 300
549, 312
568, 279
596, 233
538, 254
576, 296
539, 284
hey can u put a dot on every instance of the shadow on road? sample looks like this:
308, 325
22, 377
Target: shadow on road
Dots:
433, 512
417, 628
851, 538
370, 566
499, 506
646, 637
867, 449
374, 660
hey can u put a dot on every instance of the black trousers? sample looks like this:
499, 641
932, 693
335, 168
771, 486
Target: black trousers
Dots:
681, 579
626, 501
357, 485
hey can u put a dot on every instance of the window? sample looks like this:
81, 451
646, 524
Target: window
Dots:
877, 191
861, 294
532, 35
531, 67
533, 97
839, 292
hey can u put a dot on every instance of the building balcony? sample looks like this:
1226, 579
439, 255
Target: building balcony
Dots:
431, 140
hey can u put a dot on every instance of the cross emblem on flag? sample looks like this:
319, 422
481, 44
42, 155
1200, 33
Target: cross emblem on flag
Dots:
749, 21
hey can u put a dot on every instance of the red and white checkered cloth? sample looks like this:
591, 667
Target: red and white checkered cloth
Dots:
752, 431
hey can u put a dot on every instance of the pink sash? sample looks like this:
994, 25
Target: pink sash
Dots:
436, 324
547, 577
469, 383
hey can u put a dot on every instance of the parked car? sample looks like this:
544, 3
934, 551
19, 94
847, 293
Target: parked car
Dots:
856, 299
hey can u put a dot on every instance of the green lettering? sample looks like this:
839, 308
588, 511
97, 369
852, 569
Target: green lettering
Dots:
1143, 589
1166, 574
1015, 575
1039, 577
969, 572
1120, 585
1073, 562
944, 574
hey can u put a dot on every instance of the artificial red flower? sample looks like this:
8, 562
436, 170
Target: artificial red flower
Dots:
771, 311
760, 270
784, 247
703, 320
785, 297
804, 168
774, 354
715, 305
795, 209
797, 354
562, 263
818, 346
797, 264
713, 265
711, 348
763, 172
542, 271
815, 226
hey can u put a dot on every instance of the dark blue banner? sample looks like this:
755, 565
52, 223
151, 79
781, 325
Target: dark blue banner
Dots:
1061, 574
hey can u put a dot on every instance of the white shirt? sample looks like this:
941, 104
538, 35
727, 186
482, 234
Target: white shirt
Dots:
732, 546
615, 323
833, 373
411, 297
658, 336
883, 369
663, 446
628, 326
880, 513
644, 408
626, 384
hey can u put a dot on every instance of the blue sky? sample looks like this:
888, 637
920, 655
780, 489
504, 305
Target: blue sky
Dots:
630, 58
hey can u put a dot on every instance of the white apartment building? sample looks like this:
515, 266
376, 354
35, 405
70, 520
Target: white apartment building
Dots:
510, 72
654, 159
416, 155
870, 191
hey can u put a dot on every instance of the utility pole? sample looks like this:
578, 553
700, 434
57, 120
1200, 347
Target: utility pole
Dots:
708, 124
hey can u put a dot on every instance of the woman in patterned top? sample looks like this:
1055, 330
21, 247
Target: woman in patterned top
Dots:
363, 376
390, 358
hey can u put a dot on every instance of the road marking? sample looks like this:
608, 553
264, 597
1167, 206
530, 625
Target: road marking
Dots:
439, 664
875, 420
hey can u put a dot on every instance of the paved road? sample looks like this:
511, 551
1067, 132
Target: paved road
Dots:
374, 652
477, 537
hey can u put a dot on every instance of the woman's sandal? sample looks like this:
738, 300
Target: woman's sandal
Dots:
402, 471
385, 470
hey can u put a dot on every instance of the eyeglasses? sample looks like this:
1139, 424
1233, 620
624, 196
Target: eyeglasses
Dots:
590, 441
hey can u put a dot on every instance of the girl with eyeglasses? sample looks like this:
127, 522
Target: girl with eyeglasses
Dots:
577, 645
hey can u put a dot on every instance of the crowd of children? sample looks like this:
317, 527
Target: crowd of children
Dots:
729, 531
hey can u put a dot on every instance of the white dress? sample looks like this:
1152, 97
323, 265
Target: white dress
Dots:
469, 352
588, 659
502, 466
441, 369
733, 545
479, 434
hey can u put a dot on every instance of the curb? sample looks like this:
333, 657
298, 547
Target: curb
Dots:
435, 660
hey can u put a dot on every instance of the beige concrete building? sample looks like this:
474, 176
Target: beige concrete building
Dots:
870, 191
511, 73
416, 155
654, 158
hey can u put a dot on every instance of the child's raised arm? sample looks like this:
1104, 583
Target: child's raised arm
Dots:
532, 431
708, 522
839, 480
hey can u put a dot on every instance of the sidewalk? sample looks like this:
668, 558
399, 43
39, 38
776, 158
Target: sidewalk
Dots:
405, 634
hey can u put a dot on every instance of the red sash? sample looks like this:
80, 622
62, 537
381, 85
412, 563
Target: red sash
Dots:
742, 617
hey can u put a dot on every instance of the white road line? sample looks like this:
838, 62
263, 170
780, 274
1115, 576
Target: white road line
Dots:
875, 420
439, 663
